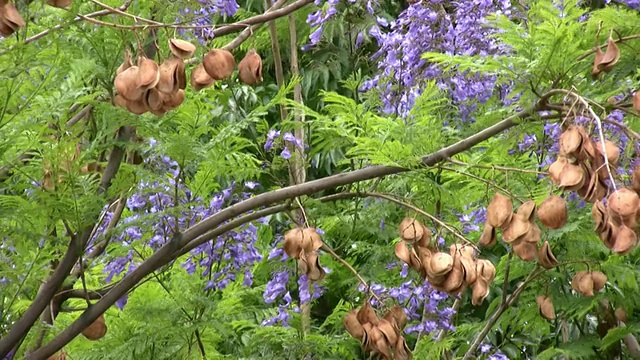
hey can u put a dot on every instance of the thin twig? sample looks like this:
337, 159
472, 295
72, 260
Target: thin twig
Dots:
587, 53
328, 250
497, 167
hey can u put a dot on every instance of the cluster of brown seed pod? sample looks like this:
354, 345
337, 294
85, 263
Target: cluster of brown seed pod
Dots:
302, 245
97, 330
545, 306
219, 64
604, 61
147, 86
580, 165
520, 230
451, 271
379, 336
616, 222
586, 282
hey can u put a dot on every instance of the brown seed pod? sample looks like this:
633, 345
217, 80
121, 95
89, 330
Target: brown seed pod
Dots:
410, 229
469, 270
599, 280
250, 68
388, 331
148, 74
425, 240
595, 71
525, 250
454, 281
169, 75
402, 252
636, 100
172, 101
570, 142
555, 169
545, 305
546, 259
11, 18
219, 64
126, 84
479, 291
293, 242
154, 99
127, 63
612, 150
441, 264
367, 314
415, 262
137, 107
582, 282
59, 3
552, 213
572, 177
181, 49
527, 210
352, 325
200, 79
624, 240
499, 211
518, 227
96, 330
488, 237
486, 270
312, 234
398, 315
533, 235
611, 56
315, 272
401, 350
624, 202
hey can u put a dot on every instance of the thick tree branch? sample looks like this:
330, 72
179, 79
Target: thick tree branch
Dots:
192, 237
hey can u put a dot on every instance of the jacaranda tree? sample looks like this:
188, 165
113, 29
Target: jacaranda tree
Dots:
222, 179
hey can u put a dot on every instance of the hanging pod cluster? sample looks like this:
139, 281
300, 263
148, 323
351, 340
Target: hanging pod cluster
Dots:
616, 222
302, 245
379, 336
586, 282
97, 330
149, 87
580, 165
219, 64
519, 228
10, 18
451, 271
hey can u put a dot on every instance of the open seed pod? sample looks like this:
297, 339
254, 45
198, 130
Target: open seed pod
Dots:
415, 262
479, 291
552, 213
624, 240
595, 71
250, 68
293, 242
572, 177
425, 240
127, 86
624, 202
485, 270
96, 330
315, 272
611, 150
527, 251
570, 142
469, 270
148, 73
582, 282
219, 64
137, 107
154, 99
600, 215
59, 3
545, 305
499, 211
11, 19
380, 344
388, 331
599, 280
410, 229
401, 350
366, 314
527, 210
555, 169
181, 49
170, 72
402, 252
455, 280
517, 228
488, 237
441, 264
398, 315
611, 56
533, 235
546, 259
172, 101
127, 63
352, 325
200, 79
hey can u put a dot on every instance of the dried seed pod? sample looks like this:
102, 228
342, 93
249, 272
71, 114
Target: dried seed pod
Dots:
454, 281
599, 280
555, 169
479, 291
380, 343
611, 150
635, 178
388, 331
200, 79
169, 82
181, 49
595, 71
315, 272
11, 17
624, 202
293, 243
546, 259
96, 330
636, 101
367, 314
126, 84
137, 107
172, 101
600, 216
572, 177
315, 242
410, 229
545, 305
488, 237
401, 350
59, 3
486, 270
470, 270
402, 252
154, 99
624, 240
398, 314
499, 211
425, 240
518, 227
148, 74
525, 250
219, 64
582, 282
611, 56
527, 210
415, 262
552, 213
250, 68
570, 142
352, 325
533, 235
127, 63
441, 264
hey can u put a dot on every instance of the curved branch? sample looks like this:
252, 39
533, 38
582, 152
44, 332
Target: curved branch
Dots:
192, 237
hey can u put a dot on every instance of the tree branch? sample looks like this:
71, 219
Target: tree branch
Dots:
191, 238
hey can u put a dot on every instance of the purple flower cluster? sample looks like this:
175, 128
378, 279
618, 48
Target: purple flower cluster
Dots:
427, 27
155, 214
474, 220
288, 138
203, 13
